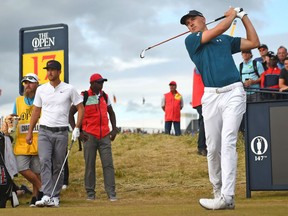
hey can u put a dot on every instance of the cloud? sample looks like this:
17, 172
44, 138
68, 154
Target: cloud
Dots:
107, 37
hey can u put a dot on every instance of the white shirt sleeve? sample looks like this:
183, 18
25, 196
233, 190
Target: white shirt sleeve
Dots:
163, 101
76, 97
37, 99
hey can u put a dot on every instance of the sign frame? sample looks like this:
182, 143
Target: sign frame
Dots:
266, 152
39, 44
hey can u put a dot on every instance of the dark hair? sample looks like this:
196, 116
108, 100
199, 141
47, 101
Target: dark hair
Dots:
282, 47
248, 51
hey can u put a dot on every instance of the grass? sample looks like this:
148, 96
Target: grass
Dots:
156, 174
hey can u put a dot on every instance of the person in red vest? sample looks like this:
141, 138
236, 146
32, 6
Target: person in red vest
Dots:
269, 79
198, 91
97, 136
172, 103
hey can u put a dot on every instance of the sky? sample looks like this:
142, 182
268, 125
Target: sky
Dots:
108, 36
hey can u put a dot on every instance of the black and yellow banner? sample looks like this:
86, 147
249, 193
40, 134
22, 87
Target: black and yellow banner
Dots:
40, 44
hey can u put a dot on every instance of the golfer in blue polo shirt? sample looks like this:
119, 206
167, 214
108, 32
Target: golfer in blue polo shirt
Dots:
224, 99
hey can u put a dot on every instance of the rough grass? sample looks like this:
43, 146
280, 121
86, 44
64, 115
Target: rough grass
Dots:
155, 175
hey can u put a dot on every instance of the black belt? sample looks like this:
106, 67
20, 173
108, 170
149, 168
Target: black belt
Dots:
54, 129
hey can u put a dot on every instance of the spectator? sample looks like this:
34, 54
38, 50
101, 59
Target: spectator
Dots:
250, 71
224, 99
54, 100
270, 77
263, 50
27, 155
96, 136
281, 54
198, 91
8, 169
172, 103
283, 78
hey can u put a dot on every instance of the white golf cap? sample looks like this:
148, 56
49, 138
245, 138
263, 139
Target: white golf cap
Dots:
31, 77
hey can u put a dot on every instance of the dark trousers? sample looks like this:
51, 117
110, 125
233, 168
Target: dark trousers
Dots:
103, 146
201, 135
176, 125
242, 125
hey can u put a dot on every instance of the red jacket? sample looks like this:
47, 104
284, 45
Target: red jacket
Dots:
270, 77
198, 89
95, 119
172, 106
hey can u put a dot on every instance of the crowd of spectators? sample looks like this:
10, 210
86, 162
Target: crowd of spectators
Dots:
270, 76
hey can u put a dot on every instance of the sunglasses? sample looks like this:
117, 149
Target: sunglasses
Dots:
29, 78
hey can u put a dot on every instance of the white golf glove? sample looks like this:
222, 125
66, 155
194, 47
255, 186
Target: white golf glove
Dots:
240, 12
75, 134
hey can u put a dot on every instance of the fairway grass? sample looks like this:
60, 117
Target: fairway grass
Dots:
155, 175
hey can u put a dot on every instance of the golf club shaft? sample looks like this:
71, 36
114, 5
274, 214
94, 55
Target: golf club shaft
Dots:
167, 40
62, 168
143, 52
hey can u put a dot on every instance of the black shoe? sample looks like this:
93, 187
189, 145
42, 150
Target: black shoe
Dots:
33, 201
26, 189
40, 195
202, 152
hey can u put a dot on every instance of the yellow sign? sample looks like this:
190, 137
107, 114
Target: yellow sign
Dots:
35, 62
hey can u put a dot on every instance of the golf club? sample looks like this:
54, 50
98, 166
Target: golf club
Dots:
142, 54
62, 168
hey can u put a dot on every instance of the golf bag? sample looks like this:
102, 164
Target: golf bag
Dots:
6, 182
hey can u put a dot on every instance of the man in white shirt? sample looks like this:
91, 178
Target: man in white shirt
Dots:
54, 100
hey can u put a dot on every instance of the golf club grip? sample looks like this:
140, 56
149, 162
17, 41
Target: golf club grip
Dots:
219, 18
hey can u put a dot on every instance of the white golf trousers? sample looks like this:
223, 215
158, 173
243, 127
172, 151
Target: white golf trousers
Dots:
223, 109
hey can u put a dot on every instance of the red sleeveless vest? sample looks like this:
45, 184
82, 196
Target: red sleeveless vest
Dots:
172, 106
95, 119
198, 89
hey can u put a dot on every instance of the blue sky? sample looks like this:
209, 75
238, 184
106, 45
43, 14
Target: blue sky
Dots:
108, 40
